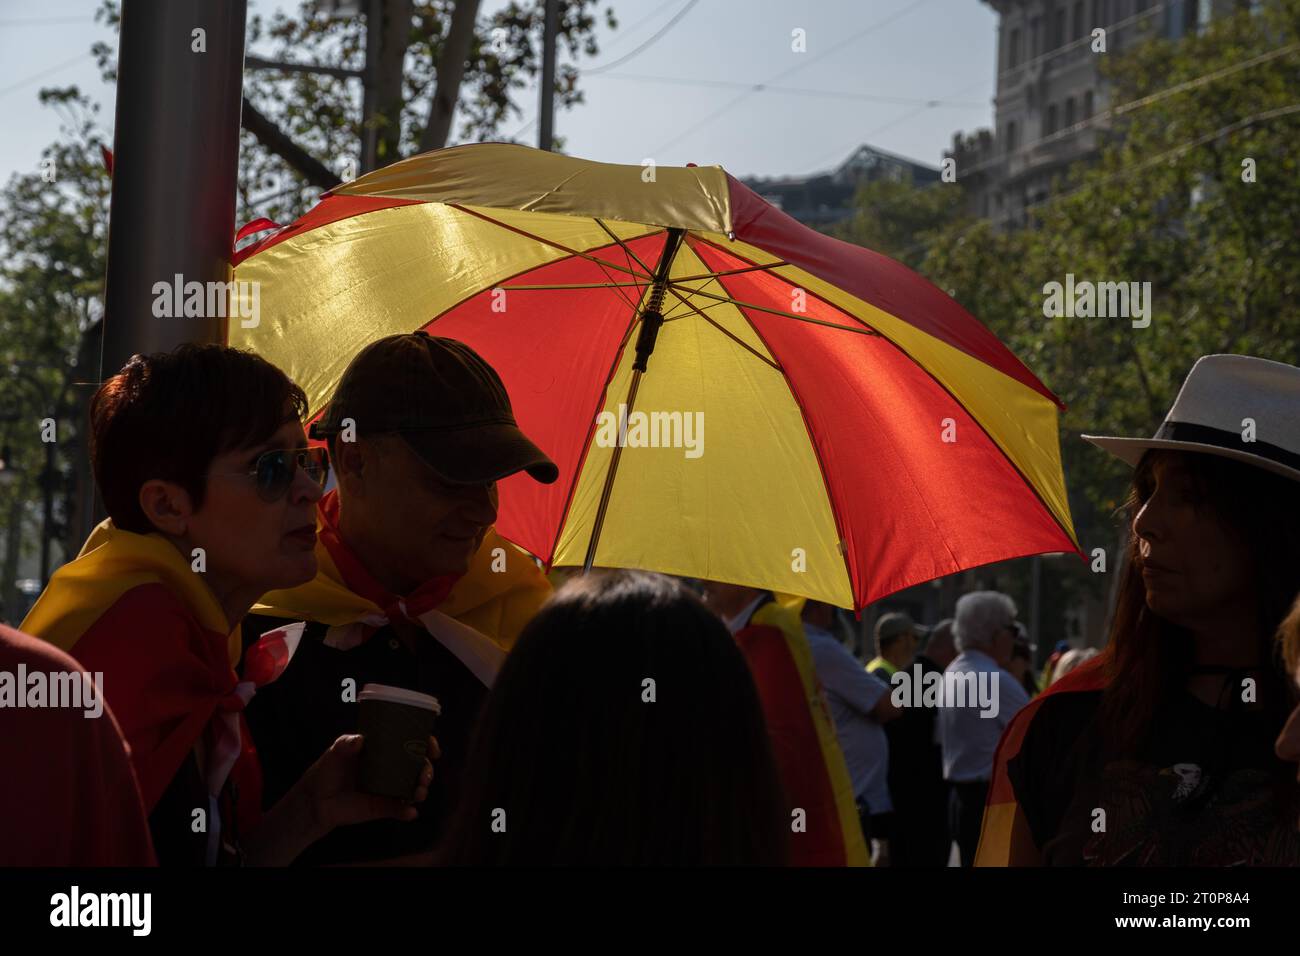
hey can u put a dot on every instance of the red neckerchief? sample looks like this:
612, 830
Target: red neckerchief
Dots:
423, 599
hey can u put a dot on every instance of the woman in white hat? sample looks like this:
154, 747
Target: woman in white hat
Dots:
1160, 751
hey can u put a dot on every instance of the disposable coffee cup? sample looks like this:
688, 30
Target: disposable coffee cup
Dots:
396, 724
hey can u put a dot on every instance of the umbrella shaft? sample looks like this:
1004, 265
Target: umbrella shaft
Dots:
651, 321
651, 317
609, 482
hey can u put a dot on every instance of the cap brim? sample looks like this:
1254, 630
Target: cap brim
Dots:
484, 453
1131, 450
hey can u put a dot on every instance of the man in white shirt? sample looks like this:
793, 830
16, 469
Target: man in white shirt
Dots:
860, 705
980, 698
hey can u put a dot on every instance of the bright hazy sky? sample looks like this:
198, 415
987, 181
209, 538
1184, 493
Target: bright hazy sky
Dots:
871, 73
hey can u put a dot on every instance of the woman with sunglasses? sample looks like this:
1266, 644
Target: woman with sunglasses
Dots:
211, 491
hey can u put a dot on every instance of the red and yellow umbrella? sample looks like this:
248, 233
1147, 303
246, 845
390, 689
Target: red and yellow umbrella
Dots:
728, 394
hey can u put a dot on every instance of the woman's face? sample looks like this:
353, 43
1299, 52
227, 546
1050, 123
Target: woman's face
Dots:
1194, 568
251, 543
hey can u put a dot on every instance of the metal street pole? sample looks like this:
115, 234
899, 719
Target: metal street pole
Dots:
176, 153
546, 126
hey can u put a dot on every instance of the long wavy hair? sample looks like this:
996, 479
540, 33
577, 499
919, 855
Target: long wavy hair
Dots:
1148, 659
589, 772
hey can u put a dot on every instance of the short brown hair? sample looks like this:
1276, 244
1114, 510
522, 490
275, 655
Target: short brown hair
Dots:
168, 415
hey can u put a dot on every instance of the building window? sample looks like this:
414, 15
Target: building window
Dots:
1013, 50
1049, 125
1087, 105
1079, 29
1035, 37
1011, 137
1058, 27
1069, 112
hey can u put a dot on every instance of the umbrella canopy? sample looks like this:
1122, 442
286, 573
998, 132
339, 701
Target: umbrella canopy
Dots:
728, 394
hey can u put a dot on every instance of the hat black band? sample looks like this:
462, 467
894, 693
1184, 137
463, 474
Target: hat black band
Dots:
1222, 438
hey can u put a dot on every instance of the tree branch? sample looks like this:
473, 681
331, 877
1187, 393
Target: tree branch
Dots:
279, 142
451, 70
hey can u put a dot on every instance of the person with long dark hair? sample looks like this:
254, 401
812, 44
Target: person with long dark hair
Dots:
1159, 752
623, 729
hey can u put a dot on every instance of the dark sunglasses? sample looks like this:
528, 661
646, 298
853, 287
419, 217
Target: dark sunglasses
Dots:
275, 470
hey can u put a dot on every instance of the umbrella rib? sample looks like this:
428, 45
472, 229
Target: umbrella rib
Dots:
841, 528
629, 254
546, 242
669, 315
866, 326
707, 279
627, 250
572, 285
743, 344
732, 272
600, 263
626, 298
788, 315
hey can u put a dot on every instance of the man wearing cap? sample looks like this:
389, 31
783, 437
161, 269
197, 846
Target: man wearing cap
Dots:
971, 724
895, 645
415, 589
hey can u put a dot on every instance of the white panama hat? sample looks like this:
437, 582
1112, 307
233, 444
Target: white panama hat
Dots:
1221, 397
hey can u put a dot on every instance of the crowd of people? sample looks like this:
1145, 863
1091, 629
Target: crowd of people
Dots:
231, 608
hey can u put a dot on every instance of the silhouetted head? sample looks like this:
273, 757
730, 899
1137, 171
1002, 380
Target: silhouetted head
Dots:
625, 729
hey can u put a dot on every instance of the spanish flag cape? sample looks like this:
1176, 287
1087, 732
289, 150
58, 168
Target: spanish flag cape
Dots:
131, 607
499, 593
1005, 839
807, 751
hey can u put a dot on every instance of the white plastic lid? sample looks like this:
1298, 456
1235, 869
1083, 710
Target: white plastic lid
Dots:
399, 695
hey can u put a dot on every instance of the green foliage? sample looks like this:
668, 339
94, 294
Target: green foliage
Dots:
899, 219
323, 114
53, 228
1165, 203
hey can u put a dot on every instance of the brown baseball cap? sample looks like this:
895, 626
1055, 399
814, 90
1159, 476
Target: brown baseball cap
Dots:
445, 401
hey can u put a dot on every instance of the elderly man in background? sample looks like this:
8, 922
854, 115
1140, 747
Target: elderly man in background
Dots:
981, 698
